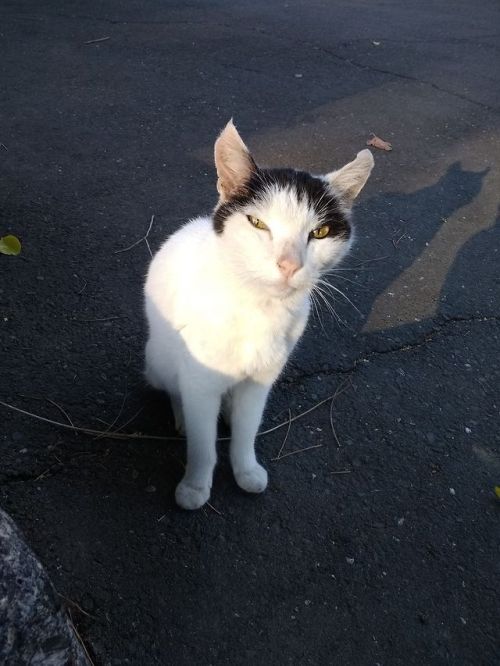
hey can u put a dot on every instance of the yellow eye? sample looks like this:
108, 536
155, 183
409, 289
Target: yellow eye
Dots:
257, 223
321, 232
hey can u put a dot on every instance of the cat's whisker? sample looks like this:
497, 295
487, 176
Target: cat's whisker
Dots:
343, 277
361, 262
317, 310
326, 293
328, 305
339, 291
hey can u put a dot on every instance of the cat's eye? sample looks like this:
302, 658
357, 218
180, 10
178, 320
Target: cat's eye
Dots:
257, 223
320, 232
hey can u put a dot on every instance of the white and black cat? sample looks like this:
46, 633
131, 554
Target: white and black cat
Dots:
228, 297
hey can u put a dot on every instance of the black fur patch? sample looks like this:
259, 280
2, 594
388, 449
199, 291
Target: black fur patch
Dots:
314, 190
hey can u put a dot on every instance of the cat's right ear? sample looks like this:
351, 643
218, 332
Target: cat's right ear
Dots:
233, 162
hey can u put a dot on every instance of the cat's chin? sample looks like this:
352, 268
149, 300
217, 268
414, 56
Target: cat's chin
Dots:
285, 290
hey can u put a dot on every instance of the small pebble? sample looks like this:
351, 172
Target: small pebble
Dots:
349, 560
150, 489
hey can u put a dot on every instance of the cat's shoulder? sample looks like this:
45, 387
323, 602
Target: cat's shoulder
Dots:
191, 237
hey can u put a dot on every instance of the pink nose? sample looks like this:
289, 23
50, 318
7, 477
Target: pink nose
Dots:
289, 267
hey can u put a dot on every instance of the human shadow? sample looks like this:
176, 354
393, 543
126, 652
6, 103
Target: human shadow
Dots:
392, 232
472, 286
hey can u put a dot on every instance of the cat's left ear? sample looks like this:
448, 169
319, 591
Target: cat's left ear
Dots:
348, 182
233, 162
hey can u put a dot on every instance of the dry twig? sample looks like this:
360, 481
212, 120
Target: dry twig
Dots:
62, 410
73, 603
292, 453
96, 41
144, 238
80, 639
286, 436
331, 423
214, 509
86, 321
115, 434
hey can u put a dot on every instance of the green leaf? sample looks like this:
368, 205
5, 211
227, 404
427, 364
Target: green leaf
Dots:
497, 491
10, 245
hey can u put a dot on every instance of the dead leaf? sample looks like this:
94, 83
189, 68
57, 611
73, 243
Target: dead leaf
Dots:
379, 143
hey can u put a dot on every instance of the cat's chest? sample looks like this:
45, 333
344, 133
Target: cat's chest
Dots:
247, 342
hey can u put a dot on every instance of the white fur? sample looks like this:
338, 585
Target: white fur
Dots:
223, 320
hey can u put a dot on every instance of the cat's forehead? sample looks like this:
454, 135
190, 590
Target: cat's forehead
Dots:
286, 195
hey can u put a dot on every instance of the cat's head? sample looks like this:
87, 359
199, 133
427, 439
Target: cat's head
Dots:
281, 228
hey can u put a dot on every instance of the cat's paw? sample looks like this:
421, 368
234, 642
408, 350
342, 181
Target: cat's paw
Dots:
253, 480
191, 497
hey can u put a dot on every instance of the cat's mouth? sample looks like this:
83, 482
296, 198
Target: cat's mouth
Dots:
286, 288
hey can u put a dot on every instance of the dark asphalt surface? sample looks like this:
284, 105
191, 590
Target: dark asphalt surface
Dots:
379, 549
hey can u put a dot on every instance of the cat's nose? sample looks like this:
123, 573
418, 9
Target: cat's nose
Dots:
289, 266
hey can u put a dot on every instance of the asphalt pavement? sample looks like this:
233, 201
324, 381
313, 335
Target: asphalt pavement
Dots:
377, 541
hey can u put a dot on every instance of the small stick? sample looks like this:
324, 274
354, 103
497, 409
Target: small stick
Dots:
116, 419
287, 432
292, 453
332, 426
128, 421
124, 435
84, 286
342, 471
41, 476
339, 391
80, 639
91, 431
86, 321
396, 243
95, 41
73, 603
144, 238
214, 509
62, 410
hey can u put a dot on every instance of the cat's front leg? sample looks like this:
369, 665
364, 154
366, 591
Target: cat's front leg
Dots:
200, 406
248, 402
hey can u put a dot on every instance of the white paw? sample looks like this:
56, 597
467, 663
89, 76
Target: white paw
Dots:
191, 497
253, 480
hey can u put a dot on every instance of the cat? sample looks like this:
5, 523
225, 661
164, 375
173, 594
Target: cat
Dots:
227, 297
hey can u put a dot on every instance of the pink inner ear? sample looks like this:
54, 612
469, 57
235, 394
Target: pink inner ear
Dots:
233, 162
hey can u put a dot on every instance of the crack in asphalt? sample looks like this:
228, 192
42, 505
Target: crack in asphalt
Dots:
408, 77
388, 72
436, 332
322, 49
96, 19
439, 330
